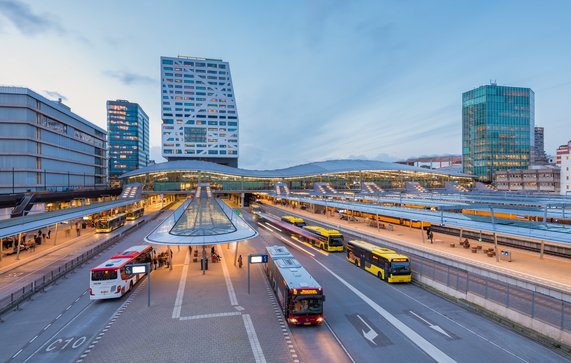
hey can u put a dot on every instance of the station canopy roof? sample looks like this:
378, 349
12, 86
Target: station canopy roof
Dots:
33, 222
202, 221
316, 168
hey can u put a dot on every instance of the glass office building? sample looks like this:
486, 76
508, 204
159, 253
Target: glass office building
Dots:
128, 128
498, 124
198, 110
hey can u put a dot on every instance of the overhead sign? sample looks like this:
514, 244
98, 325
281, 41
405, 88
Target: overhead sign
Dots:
137, 268
258, 258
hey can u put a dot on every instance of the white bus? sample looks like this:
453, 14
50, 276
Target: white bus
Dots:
109, 280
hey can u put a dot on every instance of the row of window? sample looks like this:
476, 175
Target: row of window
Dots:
194, 64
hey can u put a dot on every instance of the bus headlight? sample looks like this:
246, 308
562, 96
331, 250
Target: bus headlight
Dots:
293, 320
320, 320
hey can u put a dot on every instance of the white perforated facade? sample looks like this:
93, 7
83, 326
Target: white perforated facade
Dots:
198, 109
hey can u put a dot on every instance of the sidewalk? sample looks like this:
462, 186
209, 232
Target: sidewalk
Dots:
66, 236
197, 318
551, 270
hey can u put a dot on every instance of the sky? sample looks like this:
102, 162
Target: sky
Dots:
314, 80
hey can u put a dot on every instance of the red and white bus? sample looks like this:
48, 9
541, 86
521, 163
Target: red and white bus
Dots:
109, 280
299, 295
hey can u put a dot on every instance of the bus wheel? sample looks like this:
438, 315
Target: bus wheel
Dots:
379, 275
356, 263
131, 286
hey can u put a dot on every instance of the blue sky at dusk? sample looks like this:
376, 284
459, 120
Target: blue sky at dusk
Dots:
314, 80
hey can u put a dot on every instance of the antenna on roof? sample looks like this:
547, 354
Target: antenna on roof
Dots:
493, 82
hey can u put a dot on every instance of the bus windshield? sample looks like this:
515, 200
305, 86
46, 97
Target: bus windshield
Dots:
400, 268
103, 275
299, 224
307, 306
336, 241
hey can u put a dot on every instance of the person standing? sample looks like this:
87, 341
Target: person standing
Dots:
49, 233
240, 261
77, 229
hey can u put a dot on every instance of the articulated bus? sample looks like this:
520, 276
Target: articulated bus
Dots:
299, 296
135, 213
382, 262
329, 239
297, 221
109, 224
327, 243
109, 280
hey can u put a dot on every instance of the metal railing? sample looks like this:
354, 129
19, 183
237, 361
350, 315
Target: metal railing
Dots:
13, 300
536, 305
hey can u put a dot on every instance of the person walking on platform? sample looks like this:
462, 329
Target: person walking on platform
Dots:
240, 261
431, 236
49, 233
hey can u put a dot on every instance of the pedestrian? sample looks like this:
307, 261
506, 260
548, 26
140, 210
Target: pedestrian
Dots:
37, 240
43, 237
155, 261
240, 261
431, 236
428, 232
212, 251
77, 229
49, 233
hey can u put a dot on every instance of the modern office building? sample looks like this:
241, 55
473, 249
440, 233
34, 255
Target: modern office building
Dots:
539, 155
497, 129
562, 150
128, 128
200, 119
45, 146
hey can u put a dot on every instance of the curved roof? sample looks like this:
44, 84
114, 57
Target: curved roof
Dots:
321, 167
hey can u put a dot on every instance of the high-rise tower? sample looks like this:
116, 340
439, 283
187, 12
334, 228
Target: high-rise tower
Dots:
198, 109
128, 128
497, 129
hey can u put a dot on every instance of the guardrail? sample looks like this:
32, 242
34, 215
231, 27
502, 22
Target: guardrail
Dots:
17, 297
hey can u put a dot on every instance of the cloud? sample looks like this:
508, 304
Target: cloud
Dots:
129, 78
28, 22
55, 94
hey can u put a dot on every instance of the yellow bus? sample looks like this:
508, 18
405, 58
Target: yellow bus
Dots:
135, 213
297, 221
327, 239
109, 224
386, 264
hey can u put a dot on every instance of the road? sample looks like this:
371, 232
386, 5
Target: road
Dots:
367, 320
403, 322
56, 325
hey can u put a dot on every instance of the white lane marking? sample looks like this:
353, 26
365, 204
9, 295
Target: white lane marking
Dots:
273, 227
59, 331
253, 337
339, 341
59, 316
294, 245
414, 337
266, 228
206, 316
181, 286
430, 325
229, 286
69, 307
47, 326
460, 325
15, 355
307, 244
34, 338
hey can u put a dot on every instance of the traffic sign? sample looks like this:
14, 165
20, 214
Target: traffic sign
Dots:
258, 258
137, 268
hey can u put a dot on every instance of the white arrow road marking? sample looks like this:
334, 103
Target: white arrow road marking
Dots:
430, 325
371, 334
414, 337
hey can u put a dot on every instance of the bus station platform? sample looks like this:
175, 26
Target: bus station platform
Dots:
549, 271
213, 313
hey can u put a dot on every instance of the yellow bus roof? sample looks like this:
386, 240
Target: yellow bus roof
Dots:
293, 219
324, 231
374, 248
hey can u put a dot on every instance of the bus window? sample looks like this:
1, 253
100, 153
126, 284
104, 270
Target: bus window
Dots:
307, 306
104, 275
